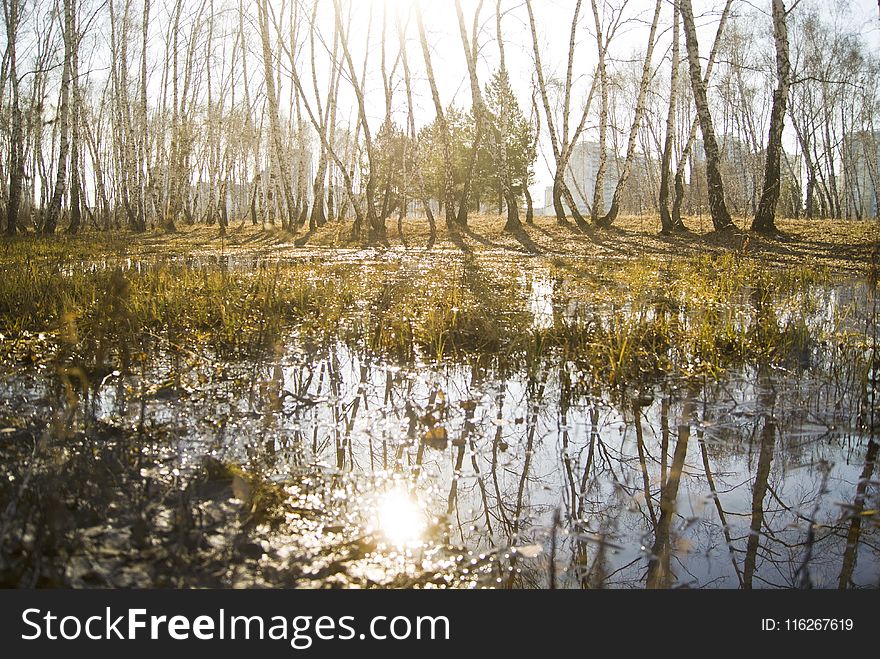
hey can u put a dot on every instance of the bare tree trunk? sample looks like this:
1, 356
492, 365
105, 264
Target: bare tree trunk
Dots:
376, 225
560, 139
419, 181
97, 165
394, 160
530, 210
12, 17
461, 218
278, 149
119, 166
667, 222
175, 175
327, 140
479, 110
63, 114
319, 217
498, 144
559, 175
678, 197
720, 217
608, 219
764, 220
562, 163
75, 187
599, 187
143, 150
449, 189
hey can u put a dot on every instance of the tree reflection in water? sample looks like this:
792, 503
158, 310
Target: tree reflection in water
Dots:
464, 473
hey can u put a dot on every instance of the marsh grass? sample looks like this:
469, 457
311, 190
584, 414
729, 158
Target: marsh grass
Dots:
617, 321
442, 310
694, 315
191, 307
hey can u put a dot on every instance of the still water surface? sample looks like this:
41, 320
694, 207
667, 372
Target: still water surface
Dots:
459, 473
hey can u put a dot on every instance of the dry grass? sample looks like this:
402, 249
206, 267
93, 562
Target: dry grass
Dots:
836, 244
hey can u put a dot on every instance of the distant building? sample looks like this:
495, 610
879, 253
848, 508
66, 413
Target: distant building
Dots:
862, 157
742, 170
581, 177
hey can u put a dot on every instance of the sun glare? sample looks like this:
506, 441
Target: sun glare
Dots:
400, 518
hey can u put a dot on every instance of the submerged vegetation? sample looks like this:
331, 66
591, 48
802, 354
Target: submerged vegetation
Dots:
690, 314
175, 415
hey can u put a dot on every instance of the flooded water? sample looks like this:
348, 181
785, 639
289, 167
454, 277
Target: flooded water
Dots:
328, 464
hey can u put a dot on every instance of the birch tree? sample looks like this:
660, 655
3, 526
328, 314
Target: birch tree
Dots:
493, 130
448, 182
279, 150
684, 156
720, 217
63, 118
12, 18
669, 223
561, 140
411, 126
764, 220
608, 219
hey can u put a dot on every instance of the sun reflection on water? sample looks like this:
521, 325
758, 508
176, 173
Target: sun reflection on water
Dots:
401, 518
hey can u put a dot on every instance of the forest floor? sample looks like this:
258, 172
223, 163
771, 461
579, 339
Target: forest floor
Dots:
836, 244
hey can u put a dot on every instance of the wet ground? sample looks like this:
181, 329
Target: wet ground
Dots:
332, 463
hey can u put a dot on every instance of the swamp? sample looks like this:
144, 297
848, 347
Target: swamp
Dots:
465, 295
618, 410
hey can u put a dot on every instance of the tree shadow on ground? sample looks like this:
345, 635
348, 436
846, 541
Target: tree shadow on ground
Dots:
523, 238
483, 240
455, 235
